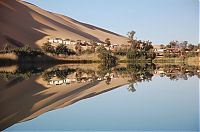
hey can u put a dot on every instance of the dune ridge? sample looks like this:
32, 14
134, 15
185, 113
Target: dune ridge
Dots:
23, 23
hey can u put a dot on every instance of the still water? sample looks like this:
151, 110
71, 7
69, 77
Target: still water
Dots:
95, 98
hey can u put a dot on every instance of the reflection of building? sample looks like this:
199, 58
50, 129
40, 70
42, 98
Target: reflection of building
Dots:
159, 71
58, 81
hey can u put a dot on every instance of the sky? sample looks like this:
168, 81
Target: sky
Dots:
159, 21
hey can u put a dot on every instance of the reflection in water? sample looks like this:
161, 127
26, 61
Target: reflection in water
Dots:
28, 91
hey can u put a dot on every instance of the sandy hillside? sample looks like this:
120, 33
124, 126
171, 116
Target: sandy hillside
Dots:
24, 23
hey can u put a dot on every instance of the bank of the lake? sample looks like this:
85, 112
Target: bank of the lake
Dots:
189, 60
91, 58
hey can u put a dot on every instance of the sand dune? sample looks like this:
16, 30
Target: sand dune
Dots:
24, 23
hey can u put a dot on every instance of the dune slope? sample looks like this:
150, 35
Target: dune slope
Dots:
23, 23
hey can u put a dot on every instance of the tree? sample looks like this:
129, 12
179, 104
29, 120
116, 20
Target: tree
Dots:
101, 49
172, 44
107, 41
132, 54
131, 35
162, 46
61, 49
47, 47
151, 54
107, 59
78, 48
191, 47
131, 39
131, 87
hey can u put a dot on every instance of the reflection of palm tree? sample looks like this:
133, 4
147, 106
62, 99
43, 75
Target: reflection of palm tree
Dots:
131, 88
108, 80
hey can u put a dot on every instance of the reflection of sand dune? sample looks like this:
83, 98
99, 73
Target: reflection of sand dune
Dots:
8, 56
11, 68
28, 99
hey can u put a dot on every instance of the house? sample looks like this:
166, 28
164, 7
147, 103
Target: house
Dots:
99, 44
173, 50
158, 50
73, 42
51, 40
56, 40
112, 46
66, 41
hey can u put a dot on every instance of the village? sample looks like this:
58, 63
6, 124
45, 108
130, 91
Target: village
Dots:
84, 44
173, 49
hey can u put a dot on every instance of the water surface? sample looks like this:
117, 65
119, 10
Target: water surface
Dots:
162, 97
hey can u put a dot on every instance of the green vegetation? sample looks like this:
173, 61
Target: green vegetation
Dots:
180, 49
24, 53
24, 71
60, 49
107, 58
139, 50
56, 72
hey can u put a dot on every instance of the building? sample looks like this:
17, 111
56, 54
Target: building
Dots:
66, 41
158, 50
55, 40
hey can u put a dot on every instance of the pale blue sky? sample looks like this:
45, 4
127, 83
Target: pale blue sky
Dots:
157, 20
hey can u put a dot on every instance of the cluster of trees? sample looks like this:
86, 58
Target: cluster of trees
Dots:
89, 50
182, 45
176, 72
183, 49
60, 49
23, 53
139, 49
24, 71
61, 74
107, 57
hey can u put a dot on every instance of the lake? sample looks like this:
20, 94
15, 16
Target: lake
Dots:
91, 97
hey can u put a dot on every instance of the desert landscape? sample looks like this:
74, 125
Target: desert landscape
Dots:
88, 78
34, 26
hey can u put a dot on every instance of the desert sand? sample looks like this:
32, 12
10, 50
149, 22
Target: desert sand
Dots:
23, 23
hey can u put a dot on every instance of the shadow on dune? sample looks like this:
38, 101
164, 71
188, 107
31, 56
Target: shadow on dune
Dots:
17, 24
70, 29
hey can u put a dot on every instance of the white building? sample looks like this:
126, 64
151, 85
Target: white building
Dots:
51, 40
56, 40
99, 44
66, 41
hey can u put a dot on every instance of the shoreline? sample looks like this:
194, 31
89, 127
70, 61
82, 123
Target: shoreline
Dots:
11, 58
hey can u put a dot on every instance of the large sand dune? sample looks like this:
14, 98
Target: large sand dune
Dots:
24, 23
